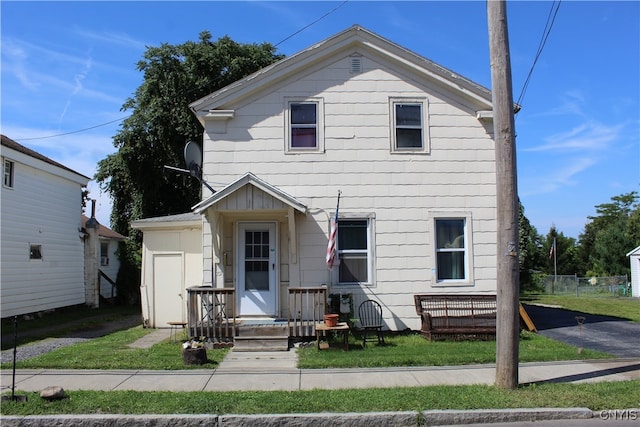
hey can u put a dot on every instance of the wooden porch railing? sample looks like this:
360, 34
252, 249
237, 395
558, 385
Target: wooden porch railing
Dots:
307, 307
211, 312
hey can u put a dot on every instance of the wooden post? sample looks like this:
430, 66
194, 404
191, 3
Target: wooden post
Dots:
507, 322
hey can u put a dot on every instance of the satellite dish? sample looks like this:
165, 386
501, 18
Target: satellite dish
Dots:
193, 158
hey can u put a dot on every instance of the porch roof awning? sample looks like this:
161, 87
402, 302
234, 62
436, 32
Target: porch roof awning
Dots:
250, 179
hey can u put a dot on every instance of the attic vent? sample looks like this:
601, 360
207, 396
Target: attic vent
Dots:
356, 64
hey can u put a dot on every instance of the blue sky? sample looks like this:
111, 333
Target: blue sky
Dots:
68, 67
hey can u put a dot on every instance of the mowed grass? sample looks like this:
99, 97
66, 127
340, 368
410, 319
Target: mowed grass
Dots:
113, 352
413, 350
623, 307
409, 349
598, 396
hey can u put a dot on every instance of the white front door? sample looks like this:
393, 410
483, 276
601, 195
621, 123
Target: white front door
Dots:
257, 273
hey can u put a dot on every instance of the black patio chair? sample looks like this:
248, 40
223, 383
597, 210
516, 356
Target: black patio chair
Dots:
370, 313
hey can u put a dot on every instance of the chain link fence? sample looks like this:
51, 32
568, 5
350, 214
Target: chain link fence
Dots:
587, 286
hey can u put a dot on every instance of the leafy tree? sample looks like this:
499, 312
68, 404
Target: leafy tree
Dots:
530, 256
564, 260
609, 235
160, 124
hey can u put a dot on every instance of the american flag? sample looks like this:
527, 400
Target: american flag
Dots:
331, 247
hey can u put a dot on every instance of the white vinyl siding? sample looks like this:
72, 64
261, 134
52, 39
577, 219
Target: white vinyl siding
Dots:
405, 190
43, 209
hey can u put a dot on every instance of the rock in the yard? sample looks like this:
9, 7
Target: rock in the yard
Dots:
53, 393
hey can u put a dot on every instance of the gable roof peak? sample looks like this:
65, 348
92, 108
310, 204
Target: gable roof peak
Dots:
353, 37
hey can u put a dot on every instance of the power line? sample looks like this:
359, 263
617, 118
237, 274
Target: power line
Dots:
314, 22
545, 35
72, 132
122, 118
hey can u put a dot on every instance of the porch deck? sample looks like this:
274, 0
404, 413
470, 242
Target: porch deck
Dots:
212, 313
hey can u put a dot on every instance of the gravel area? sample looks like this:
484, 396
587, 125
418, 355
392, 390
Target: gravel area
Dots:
80, 334
32, 350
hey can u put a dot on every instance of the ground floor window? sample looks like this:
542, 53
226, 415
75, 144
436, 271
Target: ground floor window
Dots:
451, 253
354, 251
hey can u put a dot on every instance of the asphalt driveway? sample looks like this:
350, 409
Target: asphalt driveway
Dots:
613, 335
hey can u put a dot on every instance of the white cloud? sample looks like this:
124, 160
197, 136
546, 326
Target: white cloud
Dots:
561, 177
588, 136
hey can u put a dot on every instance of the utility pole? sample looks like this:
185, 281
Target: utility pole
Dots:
507, 320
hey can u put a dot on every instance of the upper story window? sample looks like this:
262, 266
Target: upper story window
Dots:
304, 125
104, 253
8, 172
451, 254
409, 125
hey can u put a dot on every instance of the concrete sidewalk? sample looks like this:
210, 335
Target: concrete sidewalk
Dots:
267, 371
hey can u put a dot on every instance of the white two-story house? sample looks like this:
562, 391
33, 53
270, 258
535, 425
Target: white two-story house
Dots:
406, 142
42, 259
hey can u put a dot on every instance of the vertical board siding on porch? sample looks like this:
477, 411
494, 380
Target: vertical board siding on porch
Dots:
250, 198
200, 324
307, 307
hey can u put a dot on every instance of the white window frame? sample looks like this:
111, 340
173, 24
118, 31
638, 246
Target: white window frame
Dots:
8, 173
424, 125
319, 126
104, 256
468, 278
370, 252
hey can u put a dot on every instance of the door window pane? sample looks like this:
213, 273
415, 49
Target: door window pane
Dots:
256, 262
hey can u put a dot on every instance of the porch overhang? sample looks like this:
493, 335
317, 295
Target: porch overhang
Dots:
250, 179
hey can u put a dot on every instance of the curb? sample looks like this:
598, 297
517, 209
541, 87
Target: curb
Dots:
374, 419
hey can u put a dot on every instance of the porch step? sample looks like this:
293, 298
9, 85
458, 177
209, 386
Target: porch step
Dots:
262, 336
261, 343
263, 330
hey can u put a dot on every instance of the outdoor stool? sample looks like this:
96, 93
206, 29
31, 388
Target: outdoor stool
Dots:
175, 326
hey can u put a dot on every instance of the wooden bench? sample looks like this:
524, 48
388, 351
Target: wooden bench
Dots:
456, 316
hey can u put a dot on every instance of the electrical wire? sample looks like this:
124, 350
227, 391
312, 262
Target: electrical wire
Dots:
72, 132
120, 119
313, 23
545, 35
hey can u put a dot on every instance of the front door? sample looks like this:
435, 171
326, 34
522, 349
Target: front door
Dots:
257, 273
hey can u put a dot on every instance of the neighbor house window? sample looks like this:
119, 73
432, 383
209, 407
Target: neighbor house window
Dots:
104, 253
409, 125
304, 125
355, 251
8, 171
35, 251
451, 254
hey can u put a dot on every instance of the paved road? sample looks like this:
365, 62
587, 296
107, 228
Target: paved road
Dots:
612, 335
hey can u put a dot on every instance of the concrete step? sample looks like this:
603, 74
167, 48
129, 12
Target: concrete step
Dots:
261, 343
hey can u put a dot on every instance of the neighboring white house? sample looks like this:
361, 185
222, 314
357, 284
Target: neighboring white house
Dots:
634, 259
42, 264
108, 261
407, 142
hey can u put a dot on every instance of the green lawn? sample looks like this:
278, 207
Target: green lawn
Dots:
623, 307
598, 396
112, 352
413, 350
